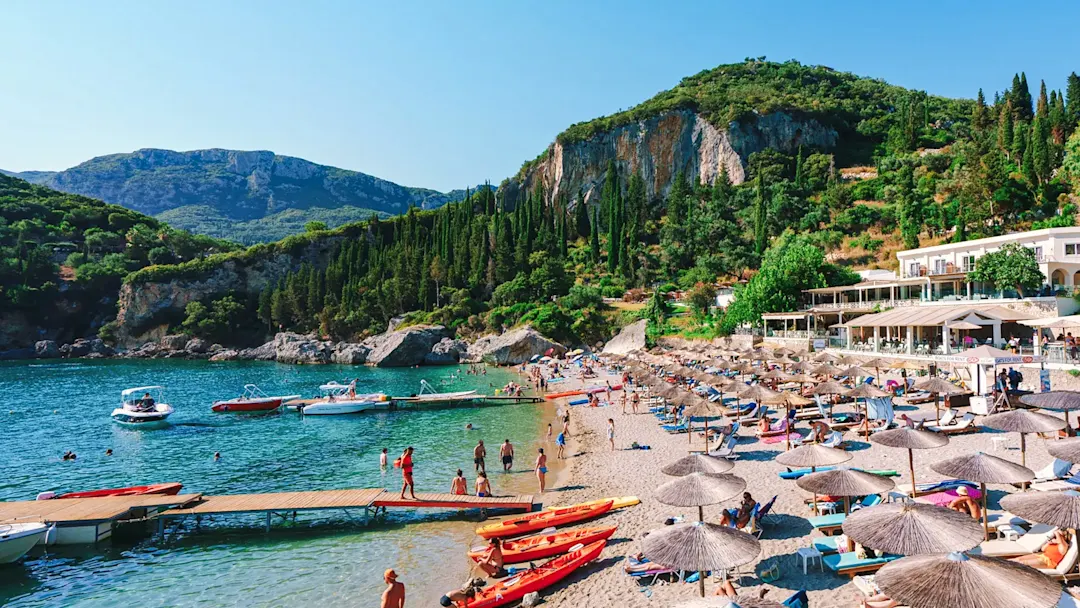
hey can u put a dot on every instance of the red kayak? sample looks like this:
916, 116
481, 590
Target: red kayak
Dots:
266, 404
542, 546
165, 489
534, 522
515, 587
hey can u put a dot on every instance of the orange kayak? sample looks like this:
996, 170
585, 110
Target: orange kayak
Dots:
514, 588
534, 522
542, 546
585, 391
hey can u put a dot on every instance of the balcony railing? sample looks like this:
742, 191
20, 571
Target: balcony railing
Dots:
795, 333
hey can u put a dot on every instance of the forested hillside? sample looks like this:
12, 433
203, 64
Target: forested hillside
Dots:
931, 170
62, 259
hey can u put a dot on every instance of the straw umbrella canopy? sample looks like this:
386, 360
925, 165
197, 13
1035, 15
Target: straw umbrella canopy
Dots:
866, 391
824, 357
700, 547
775, 374
856, 371
907, 528
910, 439
801, 366
742, 367
788, 400
1065, 449
700, 490
813, 455
829, 387
783, 351
739, 601
938, 387
1059, 401
757, 393
907, 364
701, 408
698, 463
876, 363
1061, 509
784, 361
846, 483
846, 360
802, 379
827, 369
959, 580
983, 469
1023, 422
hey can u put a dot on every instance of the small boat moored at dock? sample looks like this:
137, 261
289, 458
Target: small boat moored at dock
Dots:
142, 406
17, 539
342, 399
165, 489
252, 400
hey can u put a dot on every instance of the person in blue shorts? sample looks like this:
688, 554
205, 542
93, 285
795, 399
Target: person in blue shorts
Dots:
561, 442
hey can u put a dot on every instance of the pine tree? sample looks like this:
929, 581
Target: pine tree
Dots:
612, 201
761, 235
1020, 96
980, 116
1042, 106
798, 167
1072, 104
594, 238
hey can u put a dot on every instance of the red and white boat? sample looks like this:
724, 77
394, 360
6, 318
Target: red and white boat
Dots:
253, 400
165, 489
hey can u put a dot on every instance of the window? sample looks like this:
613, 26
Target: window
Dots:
968, 262
1070, 249
914, 269
940, 266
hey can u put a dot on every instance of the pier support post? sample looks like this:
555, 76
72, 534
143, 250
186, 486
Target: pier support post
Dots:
268, 521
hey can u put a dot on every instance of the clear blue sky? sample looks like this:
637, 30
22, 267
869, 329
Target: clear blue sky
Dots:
448, 93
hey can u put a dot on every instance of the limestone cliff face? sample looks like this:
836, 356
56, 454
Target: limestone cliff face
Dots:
661, 146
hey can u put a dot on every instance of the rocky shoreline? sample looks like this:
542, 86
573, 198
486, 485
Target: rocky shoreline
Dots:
405, 347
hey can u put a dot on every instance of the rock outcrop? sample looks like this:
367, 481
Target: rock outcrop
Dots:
46, 349
175, 342
296, 348
629, 339
513, 347
663, 145
446, 352
404, 347
349, 353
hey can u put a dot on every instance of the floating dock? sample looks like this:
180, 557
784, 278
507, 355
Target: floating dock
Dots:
422, 401
90, 520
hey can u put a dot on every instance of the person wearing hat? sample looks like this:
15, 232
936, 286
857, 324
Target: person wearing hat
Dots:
394, 596
965, 503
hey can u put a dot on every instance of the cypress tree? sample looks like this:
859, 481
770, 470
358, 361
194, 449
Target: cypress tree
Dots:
761, 235
1005, 128
594, 238
1028, 166
1040, 151
265, 310
1018, 148
1072, 103
614, 234
798, 168
980, 116
1020, 96
581, 217
1042, 106
1058, 124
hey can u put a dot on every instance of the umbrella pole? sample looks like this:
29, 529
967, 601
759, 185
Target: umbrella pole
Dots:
911, 465
847, 511
701, 583
787, 428
814, 470
1023, 458
701, 513
937, 412
706, 435
866, 419
986, 522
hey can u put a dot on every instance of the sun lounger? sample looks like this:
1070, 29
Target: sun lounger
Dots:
944, 497
728, 449
677, 428
868, 501
1072, 483
849, 563
1059, 469
798, 600
775, 429
932, 487
797, 473
1027, 544
827, 544
918, 397
1065, 568
1068, 601
965, 424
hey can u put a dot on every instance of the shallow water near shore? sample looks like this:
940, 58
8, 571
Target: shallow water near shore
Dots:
52, 407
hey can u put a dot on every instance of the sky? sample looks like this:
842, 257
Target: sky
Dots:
447, 94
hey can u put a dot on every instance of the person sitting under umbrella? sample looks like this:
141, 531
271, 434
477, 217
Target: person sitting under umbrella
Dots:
1052, 553
764, 424
741, 516
964, 503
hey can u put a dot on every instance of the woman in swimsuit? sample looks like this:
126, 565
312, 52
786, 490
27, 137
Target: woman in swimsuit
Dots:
483, 486
406, 464
459, 485
1051, 555
541, 468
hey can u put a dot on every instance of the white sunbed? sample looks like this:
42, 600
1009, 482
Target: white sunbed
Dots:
1059, 469
966, 422
1027, 544
1056, 485
1067, 563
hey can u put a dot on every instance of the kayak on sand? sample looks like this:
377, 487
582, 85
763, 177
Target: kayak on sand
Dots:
544, 545
516, 587
534, 522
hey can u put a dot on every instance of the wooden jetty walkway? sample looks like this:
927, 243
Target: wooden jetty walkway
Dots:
89, 520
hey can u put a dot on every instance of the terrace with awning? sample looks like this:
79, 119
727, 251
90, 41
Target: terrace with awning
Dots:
932, 329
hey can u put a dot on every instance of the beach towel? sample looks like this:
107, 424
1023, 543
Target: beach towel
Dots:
942, 499
782, 438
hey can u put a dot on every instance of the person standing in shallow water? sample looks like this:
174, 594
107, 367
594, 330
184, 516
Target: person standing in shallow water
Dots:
479, 452
394, 595
382, 460
541, 468
507, 454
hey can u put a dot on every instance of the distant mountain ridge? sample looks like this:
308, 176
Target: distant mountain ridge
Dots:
244, 195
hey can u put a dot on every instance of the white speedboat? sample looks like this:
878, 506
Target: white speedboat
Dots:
341, 399
17, 539
142, 406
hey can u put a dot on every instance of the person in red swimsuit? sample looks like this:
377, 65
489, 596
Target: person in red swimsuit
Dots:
406, 472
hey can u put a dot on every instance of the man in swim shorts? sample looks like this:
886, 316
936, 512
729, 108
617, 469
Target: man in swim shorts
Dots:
507, 453
479, 452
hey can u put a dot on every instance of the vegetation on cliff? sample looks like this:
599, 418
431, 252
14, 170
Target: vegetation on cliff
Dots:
62, 256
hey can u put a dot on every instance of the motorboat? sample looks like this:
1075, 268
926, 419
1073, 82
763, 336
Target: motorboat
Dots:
17, 539
164, 489
252, 400
341, 399
142, 406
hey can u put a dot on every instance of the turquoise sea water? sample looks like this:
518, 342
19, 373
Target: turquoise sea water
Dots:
323, 559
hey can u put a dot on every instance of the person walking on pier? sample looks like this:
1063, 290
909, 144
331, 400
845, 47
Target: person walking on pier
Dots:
541, 468
406, 464
479, 452
394, 596
507, 453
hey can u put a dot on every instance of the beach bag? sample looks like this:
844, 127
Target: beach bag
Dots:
771, 574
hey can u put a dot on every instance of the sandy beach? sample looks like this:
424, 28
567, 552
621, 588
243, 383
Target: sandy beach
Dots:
594, 471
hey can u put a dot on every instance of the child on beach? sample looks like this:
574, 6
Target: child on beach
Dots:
541, 468
549, 432
611, 432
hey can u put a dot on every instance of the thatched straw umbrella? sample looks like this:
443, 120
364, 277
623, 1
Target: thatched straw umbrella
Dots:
788, 400
907, 364
846, 483
1065, 449
827, 369
701, 408
866, 391
958, 580
1061, 509
938, 387
910, 439
757, 393
847, 360
739, 601
1023, 422
783, 351
906, 528
824, 357
698, 463
802, 366
1059, 401
742, 367
983, 469
784, 361
855, 371
700, 547
813, 455
877, 363
829, 387
700, 490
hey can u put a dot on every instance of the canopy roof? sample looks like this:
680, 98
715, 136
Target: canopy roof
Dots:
987, 355
935, 316
141, 389
791, 316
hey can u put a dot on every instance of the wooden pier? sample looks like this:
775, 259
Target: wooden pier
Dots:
89, 520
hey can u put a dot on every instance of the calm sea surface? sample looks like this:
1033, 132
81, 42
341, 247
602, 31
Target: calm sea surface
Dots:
322, 559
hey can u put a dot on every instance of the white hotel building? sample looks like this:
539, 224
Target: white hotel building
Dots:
914, 310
